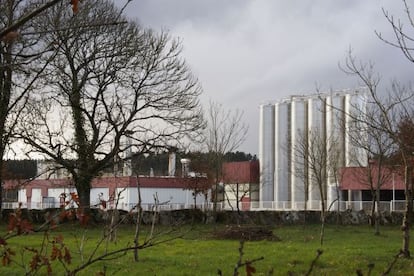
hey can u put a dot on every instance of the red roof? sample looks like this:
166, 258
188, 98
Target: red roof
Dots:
103, 182
241, 172
357, 178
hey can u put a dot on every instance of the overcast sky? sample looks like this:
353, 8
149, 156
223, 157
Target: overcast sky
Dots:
248, 52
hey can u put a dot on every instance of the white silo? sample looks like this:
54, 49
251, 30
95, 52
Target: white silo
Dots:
282, 155
355, 104
266, 154
286, 125
335, 141
298, 131
316, 134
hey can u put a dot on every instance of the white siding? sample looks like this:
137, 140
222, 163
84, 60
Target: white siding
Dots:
166, 197
126, 198
22, 197
36, 200
96, 193
230, 201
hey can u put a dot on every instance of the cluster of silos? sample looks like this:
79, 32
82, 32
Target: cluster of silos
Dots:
285, 180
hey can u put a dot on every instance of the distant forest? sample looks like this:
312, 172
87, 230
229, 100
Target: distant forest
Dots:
19, 169
143, 165
158, 163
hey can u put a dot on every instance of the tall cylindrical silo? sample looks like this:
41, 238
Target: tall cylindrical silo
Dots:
336, 132
282, 155
316, 134
355, 105
266, 154
298, 132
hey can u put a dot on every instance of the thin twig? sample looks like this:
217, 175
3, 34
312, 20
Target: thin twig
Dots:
387, 272
318, 254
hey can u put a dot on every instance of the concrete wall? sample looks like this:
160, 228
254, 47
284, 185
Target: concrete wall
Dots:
271, 218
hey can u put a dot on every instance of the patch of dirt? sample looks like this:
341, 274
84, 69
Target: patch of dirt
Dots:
246, 233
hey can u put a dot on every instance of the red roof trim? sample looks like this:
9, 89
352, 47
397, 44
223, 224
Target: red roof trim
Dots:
103, 182
357, 178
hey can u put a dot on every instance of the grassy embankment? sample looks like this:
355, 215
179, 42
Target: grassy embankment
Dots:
346, 249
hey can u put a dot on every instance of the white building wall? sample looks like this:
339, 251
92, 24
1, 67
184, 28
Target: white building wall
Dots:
56, 192
170, 198
164, 195
176, 197
22, 197
126, 198
36, 199
230, 201
98, 193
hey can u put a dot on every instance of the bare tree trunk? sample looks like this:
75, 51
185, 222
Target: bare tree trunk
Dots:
338, 210
6, 73
216, 188
408, 214
306, 206
225, 132
237, 199
372, 213
322, 234
113, 225
378, 212
1, 185
138, 222
83, 187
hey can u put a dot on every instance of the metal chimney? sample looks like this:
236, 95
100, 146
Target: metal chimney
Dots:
171, 163
185, 164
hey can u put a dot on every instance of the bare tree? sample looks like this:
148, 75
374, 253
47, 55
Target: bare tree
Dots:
377, 147
108, 84
18, 70
11, 29
236, 192
225, 132
313, 152
201, 182
403, 41
395, 107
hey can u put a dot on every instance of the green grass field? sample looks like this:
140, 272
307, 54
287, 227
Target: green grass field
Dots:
197, 252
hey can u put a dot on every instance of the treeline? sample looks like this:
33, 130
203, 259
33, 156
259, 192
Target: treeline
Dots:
19, 169
199, 161
142, 164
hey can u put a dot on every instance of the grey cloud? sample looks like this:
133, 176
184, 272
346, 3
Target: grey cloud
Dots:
247, 52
